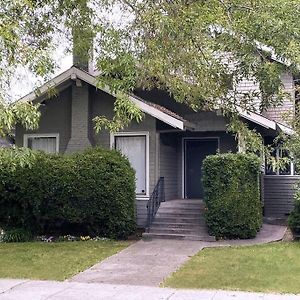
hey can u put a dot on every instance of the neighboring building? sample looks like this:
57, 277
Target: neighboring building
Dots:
170, 142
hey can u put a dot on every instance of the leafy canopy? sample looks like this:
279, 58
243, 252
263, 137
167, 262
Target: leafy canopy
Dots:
200, 50
196, 50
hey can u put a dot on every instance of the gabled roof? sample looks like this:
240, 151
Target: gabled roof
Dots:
149, 108
263, 121
157, 111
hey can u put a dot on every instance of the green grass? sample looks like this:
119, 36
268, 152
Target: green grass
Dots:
266, 268
53, 261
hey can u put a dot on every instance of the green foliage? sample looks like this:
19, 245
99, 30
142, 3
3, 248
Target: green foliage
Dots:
16, 236
200, 51
125, 112
294, 217
26, 114
249, 140
92, 193
231, 195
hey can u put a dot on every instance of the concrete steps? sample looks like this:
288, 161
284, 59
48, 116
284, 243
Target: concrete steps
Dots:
180, 219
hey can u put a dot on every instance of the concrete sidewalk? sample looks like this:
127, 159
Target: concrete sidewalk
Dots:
148, 263
51, 290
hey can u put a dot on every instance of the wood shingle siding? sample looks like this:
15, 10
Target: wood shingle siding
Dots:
279, 194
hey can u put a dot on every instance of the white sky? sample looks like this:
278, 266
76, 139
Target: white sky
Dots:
25, 82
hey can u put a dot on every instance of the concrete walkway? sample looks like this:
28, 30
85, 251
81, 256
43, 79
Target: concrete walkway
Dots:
268, 233
148, 263
143, 263
50, 290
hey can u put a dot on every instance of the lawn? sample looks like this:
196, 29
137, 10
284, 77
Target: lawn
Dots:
53, 261
266, 268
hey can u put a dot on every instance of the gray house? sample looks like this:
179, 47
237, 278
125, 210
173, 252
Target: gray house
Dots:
170, 143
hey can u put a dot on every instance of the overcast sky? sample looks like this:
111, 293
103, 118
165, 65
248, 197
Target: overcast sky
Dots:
25, 82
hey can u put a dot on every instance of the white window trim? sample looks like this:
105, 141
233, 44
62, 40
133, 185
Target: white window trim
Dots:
136, 133
292, 173
277, 173
41, 135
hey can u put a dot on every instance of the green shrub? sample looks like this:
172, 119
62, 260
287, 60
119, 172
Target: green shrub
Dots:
294, 218
91, 193
232, 195
16, 236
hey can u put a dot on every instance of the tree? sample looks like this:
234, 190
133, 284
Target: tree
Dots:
200, 50
29, 32
197, 50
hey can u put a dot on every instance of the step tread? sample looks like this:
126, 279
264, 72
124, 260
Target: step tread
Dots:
179, 236
183, 218
174, 215
156, 223
183, 232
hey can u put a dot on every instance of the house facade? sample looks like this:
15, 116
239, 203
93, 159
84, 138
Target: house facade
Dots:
170, 142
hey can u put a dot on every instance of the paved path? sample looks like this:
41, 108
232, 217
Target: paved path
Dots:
143, 263
268, 233
50, 290
148, 263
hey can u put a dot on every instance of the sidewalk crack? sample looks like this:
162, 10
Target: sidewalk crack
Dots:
17, 285
169, 297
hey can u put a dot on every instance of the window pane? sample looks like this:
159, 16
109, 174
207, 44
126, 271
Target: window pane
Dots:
134, 148
46, 144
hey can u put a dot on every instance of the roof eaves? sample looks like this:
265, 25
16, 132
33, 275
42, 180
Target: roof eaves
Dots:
257, 118
74, 73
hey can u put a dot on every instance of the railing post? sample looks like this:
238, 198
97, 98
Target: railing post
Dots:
157, 196
163, 189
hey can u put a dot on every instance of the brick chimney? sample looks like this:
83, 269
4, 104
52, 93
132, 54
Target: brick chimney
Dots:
83, 35
80, 105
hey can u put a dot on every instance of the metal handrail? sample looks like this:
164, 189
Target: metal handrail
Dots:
155, 199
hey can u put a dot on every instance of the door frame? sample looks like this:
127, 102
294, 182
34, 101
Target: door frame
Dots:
183, 158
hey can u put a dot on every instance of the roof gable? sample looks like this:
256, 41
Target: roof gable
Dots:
154, 110
74, 73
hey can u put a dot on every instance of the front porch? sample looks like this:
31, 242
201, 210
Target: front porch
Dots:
180, 159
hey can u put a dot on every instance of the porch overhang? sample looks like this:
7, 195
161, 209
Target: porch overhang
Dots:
264, 122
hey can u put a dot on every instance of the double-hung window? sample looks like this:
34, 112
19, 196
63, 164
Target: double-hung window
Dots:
135, 147
286, 165
48, 143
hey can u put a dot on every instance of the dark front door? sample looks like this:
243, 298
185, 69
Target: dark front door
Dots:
195, 152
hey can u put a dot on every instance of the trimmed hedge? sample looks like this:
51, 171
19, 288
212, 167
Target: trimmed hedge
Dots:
294, 217
232, 195
91, 193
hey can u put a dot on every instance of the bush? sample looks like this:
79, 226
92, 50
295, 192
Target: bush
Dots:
16, 236
232, 195
294, 217
91, 193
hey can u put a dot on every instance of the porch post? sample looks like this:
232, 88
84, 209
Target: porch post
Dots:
241, 143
